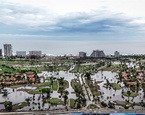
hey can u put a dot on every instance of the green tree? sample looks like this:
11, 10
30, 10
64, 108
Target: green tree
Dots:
8, 105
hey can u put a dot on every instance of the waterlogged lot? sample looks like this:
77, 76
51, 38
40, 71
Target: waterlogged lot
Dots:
115, 95
36, 102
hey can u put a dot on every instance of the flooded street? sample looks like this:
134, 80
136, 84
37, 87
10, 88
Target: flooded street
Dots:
20, 96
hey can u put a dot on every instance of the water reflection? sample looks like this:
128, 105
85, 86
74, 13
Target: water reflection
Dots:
37, 104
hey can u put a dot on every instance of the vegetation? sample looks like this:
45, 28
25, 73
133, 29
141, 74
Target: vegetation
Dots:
8, 105
41, 84
19, 106
131, 94
7, 69
134, 81
92, 106
55, 101
115, 86
72, 103
55, 85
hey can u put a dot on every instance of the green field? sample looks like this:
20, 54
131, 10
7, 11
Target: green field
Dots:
72, 103
55, 85
132, 94
115, 86
55, 100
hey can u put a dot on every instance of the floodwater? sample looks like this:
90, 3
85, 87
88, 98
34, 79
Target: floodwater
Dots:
37, 104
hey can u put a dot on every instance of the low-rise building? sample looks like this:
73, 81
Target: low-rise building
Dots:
82, 54
116, 54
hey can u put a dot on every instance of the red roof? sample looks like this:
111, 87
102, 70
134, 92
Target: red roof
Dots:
8, 83
140, 77
132, 83
124, 74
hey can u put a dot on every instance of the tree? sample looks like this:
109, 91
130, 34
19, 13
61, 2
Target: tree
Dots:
5, 93
65, 96
128, 93
61, 81
143, 87
46, 90
88, 75
107, 82
8, 105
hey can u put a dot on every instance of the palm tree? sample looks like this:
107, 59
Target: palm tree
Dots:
143, 87
88, 75
51, 81
5, 92
128, 93
61, 81
65, 96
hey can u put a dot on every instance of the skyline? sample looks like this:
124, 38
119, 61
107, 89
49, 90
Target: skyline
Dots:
70, 53
60, 27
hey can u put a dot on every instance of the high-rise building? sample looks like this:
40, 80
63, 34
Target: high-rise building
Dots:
97, 53
82, 54
1, 53
21, 53
116, 54
35, 53
7, 50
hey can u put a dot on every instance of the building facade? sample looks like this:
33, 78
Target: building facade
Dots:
97, 53
1, 54
21, 54
35, 53
82, 54
116, 54
8, 50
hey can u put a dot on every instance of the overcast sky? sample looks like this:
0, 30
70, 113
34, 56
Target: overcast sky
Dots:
70, 26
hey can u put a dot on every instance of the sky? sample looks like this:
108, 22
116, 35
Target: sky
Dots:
69, 26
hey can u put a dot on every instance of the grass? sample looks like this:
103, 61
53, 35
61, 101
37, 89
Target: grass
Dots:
19, 105
133, 94
115, 86
66, 84
92, 106
96, 93
55, 100
75, 83
41, 84
83, 68
55, 85
16, 86
31, 91
72, 103
7, 69
62, 68
113, 68
94, 87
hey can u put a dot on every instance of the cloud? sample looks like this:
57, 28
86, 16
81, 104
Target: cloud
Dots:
17, 18
26, 15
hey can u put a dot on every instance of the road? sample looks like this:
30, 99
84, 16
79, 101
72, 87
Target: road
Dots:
56, 112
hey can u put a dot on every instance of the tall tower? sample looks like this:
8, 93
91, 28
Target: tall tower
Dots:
1, 53
7, 50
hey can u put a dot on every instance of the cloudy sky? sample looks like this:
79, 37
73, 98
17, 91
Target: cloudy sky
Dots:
70, 26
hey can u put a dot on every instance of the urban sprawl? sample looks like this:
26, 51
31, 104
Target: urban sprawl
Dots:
36, 82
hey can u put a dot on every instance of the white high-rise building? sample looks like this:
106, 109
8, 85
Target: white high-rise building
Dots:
35, 53
8, 50
21, 53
